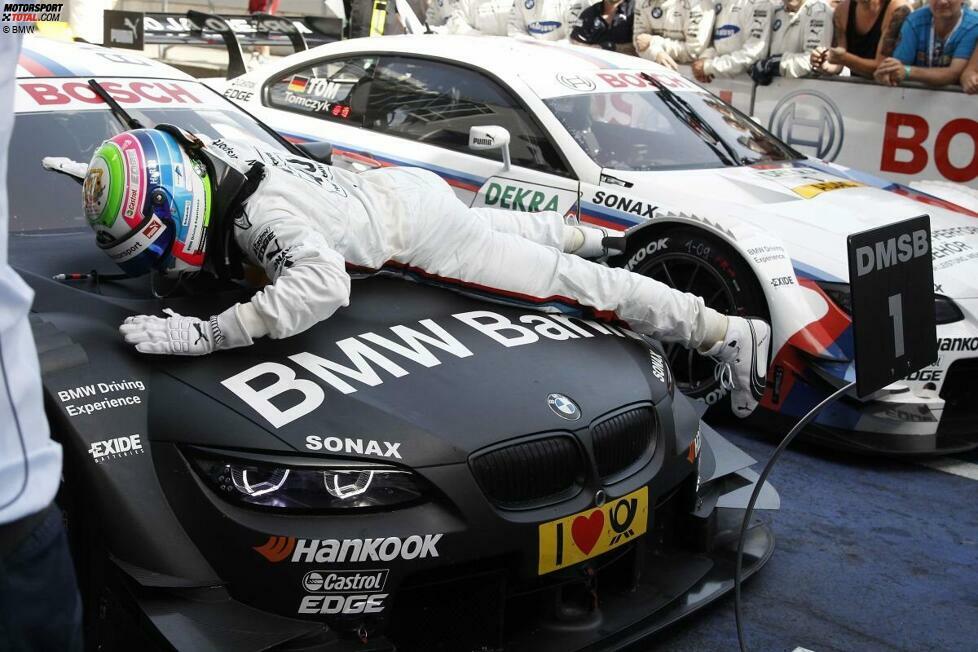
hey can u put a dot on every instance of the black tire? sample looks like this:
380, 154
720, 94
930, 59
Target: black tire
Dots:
690, 260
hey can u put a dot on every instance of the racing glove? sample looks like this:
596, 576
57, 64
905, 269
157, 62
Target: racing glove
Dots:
179, 335
65, 166
765, 70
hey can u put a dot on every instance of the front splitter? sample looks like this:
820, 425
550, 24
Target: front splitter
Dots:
662, 599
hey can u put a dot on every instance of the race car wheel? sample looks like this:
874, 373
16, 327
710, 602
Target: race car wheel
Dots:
692, 261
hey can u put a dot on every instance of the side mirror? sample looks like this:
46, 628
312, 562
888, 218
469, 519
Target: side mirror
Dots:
317, 151
490, 137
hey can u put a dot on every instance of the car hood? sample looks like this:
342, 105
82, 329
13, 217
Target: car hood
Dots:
426, 374
812, 208
430, 372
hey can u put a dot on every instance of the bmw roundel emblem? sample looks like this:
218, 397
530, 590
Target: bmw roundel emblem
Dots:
564, 407
529, 4
657, 13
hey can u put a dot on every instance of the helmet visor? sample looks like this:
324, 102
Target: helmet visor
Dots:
143, 248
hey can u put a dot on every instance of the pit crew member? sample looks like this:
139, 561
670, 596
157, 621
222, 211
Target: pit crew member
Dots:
673, 31
150, 195
606, 25
546, 20
437, 14
798, 28
741, 33
40, 607
479, 17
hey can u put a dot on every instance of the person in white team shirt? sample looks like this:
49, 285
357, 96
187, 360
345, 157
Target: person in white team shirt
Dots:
437, 14
671, 32
741, 36
546, 20
40, 608
798, 28
303, 222
479, 17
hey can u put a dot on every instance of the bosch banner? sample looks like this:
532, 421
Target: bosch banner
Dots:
905, 134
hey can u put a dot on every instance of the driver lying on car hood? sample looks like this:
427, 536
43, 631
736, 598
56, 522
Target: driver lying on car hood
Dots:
162, 200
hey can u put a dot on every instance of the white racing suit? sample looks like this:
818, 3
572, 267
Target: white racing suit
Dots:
547, 20
474, 17
795, 36
307, 221
679, 28
741, 34
438, 13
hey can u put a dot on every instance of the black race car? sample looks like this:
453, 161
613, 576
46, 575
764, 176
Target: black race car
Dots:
423, 471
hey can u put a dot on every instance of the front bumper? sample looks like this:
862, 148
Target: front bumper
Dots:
478, 593
936, 413
634, 595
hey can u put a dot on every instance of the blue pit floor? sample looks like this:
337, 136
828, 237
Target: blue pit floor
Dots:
872, 554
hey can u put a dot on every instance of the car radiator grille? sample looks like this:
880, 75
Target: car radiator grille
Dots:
623, 441
531, 472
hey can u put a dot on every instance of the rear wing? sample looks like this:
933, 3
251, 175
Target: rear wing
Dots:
135, 29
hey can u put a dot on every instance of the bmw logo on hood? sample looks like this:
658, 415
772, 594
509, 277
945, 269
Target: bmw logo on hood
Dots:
564, 407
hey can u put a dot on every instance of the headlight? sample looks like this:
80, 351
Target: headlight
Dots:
327, 485
945, 310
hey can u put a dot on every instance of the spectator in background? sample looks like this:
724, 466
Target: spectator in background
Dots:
740, 37
969, 78
475, 17
935, 45
606, 24
262, 7
437, 13
866, 32
673, 31
546, 20
917, 4
798, 28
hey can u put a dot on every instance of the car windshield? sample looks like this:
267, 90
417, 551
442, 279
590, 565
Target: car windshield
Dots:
44, 201
643, 131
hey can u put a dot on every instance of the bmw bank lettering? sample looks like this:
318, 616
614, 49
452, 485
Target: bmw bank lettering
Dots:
369, 354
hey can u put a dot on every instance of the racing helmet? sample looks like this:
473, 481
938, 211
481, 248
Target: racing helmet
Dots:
149, 201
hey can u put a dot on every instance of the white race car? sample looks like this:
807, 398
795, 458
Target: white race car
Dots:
740, 218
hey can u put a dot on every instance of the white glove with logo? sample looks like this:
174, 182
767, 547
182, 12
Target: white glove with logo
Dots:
65, 166
179, 335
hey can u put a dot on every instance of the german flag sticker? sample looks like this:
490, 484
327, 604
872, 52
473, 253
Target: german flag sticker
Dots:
298, 84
